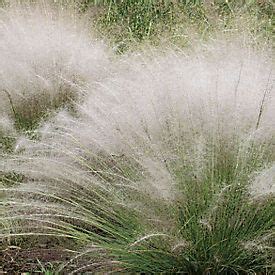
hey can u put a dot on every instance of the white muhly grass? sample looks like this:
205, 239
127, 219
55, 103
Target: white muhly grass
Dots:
260, 244
264, 183
168, 97
6, 126
148, 237
179, 246
135, 129
45, 54
158, 109
160, 180
7, 131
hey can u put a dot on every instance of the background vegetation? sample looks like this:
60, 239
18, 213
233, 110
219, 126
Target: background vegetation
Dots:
178, 22
121, 160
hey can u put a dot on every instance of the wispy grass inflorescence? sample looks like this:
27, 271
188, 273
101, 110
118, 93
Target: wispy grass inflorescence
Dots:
7, 133
153, 173
47, 59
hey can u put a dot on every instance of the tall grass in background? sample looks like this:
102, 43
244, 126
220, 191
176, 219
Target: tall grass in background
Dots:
166, 166
164, 22
178, 22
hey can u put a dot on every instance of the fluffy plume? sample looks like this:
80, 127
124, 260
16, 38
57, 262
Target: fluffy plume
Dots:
264, 183
47, 58
164, 129
165, 110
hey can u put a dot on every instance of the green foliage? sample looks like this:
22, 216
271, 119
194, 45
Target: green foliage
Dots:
139, 17
6, 143
215, 222
213, 226
138, 20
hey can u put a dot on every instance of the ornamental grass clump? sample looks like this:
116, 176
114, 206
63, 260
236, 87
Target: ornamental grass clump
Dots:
158, 168
47, 59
